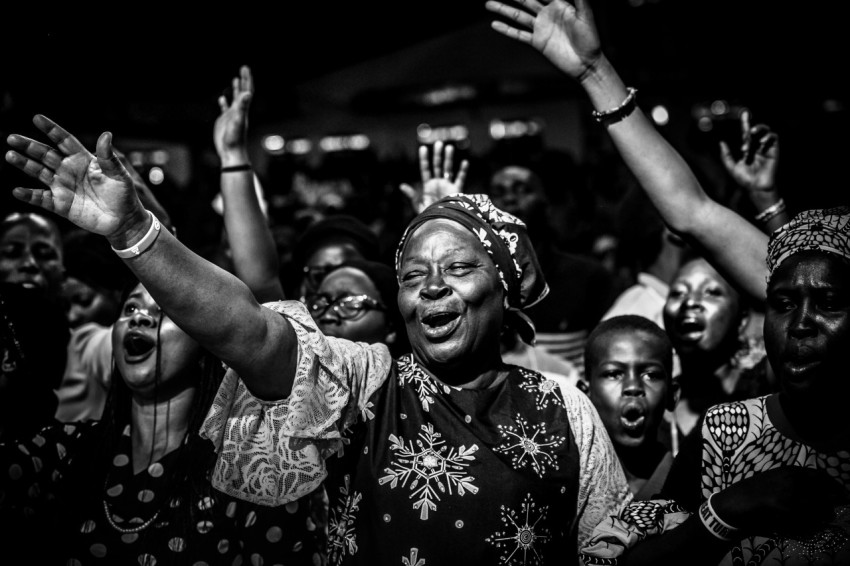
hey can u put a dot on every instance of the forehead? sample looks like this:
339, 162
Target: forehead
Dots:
512, 175
30, 227
333, 253
700, 269
622, 344
441, 236
348, 281
811, 269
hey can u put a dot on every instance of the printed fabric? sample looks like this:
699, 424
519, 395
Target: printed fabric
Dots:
739, 440
423, 473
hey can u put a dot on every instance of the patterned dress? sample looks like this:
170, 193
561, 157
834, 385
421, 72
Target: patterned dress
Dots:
129, 518
419, 473
739, 439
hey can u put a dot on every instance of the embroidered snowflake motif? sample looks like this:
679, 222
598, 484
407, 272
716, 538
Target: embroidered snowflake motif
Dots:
342, 539
528, 445
547, 389
430, 468
414, 559
521, 533
410, 373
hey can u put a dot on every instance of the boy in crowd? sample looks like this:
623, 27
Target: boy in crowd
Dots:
628, 368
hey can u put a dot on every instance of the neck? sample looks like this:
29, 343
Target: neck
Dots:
825, 428
159, 428
469, 375
639, 462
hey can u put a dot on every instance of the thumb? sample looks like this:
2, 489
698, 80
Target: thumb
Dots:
726, 156
107, 160
408, 191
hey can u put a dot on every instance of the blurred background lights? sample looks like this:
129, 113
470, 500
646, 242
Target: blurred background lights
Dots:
159, 157
719, 107
660, 115
299, 146
705, 124
504, 129
156, 176
274, 143
454, 133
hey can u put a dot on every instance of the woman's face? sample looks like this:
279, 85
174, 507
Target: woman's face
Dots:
371, 325
31, 255
807, 325
140, 330
703, 311
88, 304
450, 296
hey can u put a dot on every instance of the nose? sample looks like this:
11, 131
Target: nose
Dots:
693, 300
434, 288
633, 385
802, 324
142, 318
28, 262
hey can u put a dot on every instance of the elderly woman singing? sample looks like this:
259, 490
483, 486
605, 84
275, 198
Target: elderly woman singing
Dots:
444, 456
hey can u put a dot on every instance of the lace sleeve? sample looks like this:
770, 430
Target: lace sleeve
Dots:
603, 489
272, 452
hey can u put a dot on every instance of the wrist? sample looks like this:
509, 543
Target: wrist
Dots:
763, 198
133, 228
234, 158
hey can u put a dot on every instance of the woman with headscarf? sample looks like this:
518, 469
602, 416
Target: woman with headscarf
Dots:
444, 456
766, 480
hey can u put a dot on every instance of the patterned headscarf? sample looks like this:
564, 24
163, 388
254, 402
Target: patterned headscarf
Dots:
825, 230
505, 238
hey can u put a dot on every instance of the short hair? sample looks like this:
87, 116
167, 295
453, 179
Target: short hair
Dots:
631, 323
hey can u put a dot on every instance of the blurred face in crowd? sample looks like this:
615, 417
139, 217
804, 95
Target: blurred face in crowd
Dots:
31, 252
323, 260
348, 305
807, 326
85, 303
450, 296
139, 332
517, 191
630, 385
702, 312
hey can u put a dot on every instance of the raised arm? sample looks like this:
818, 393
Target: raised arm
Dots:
754, 170
95, 192
566, 35
251, 243
436, 176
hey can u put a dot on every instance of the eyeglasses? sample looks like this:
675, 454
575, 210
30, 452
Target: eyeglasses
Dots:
348, 307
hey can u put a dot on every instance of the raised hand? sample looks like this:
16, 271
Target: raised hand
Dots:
436, 176
564, 33
94, 191
755, 170
230, 133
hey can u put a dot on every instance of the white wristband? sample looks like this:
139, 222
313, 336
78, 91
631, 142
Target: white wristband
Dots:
715, 525
142, 245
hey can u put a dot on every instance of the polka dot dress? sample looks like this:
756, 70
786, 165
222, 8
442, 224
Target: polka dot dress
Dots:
142, 518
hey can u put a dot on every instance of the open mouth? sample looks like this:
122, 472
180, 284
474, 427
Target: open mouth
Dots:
633, 417
438, 324
138, 347
690, 327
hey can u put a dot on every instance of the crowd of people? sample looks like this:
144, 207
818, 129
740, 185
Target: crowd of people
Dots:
473, 391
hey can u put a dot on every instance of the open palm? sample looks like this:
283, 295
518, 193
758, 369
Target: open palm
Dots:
94, 192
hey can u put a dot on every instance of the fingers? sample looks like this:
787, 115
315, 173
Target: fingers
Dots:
31, 167
222, 103
726, 156
36, 150
67, 143
461, 174
408, 191
246, 79
424, 169
37, 197
107, 161
515, 15
437, 158
511, 32
448, 162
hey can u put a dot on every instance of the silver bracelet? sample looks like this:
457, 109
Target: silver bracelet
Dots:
771, 211
142, 245
715, 525
616, 114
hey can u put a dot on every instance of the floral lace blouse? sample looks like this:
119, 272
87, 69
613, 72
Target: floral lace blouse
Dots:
417, 472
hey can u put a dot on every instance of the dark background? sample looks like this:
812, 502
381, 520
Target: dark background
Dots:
155, 71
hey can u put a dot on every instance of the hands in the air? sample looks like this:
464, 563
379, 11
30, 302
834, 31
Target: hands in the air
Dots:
565, 33
230, 133
437, 176
94, 191
755, 170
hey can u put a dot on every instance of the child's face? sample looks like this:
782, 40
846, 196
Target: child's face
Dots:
629, 385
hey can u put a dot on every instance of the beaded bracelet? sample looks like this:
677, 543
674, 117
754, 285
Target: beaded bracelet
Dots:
715, 525
771, 212
142, 245
614, 115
